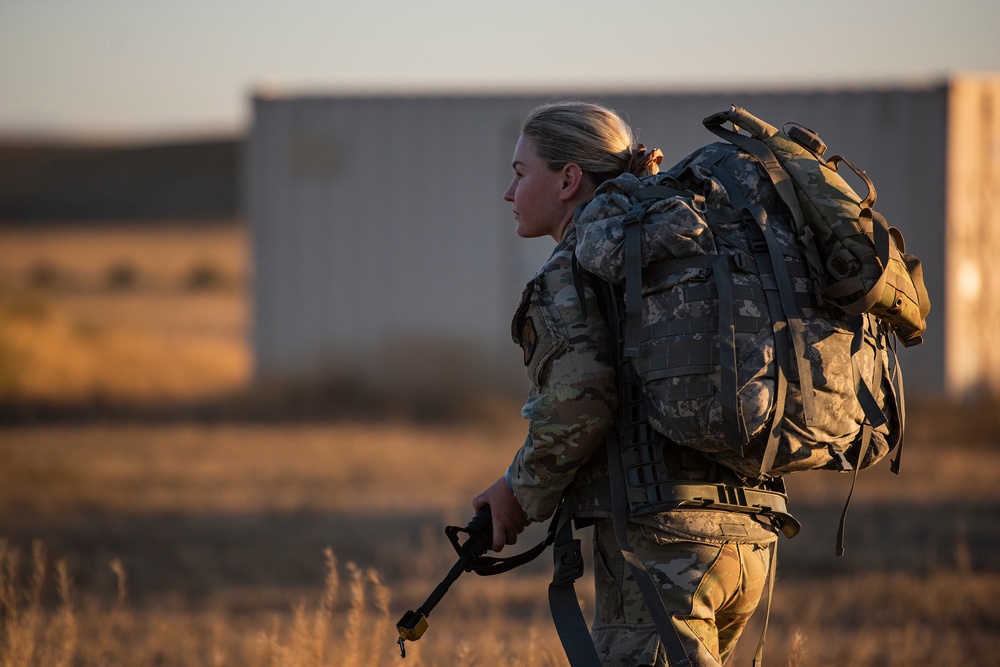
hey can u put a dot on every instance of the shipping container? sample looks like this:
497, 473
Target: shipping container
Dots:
383, 250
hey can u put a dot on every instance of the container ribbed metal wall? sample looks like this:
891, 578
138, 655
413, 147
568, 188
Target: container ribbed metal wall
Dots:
383, 249
973, 239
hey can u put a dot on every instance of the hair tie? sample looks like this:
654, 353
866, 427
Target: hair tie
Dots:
643, 163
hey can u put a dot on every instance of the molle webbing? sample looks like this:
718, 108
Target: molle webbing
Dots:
661, 476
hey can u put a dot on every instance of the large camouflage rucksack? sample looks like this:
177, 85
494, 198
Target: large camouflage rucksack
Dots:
762, 298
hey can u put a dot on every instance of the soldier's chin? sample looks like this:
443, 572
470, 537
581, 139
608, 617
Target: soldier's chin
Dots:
526, 232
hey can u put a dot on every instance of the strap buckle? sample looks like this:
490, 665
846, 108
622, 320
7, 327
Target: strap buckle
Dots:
744, 262
637, 213
568, 563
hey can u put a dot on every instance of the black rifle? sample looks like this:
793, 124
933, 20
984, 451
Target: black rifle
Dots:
471, 558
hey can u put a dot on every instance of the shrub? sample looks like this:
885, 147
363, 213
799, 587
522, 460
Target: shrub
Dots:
121, 275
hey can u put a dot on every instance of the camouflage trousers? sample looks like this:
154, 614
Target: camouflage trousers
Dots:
710, 589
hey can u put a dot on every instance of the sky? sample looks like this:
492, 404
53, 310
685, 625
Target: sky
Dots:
141, 68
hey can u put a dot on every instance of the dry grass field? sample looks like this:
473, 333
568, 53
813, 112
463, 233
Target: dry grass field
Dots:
154, 511
98, 315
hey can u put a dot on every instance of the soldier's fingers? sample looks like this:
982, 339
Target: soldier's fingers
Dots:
499, 536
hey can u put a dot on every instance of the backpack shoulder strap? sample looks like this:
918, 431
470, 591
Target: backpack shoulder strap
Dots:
630, 399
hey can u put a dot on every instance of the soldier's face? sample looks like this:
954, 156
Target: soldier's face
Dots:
535, 192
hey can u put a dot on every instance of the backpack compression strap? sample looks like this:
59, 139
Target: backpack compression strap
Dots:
781, 305
782, 181
632, 222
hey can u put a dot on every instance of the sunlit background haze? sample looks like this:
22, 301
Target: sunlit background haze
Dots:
116, 68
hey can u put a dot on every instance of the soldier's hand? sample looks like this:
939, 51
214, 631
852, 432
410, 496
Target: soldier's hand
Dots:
509, 518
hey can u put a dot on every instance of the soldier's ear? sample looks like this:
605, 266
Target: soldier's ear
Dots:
572, 180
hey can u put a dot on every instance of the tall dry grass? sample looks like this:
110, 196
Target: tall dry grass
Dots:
347, 625
37, 633
31, 635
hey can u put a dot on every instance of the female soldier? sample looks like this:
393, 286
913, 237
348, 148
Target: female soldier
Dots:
709, 566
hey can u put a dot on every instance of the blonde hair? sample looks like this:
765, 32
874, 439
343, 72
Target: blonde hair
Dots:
593, 136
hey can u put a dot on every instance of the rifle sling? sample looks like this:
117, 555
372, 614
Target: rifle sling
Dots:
564, 605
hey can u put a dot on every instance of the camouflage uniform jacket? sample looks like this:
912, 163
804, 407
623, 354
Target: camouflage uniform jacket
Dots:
572, 397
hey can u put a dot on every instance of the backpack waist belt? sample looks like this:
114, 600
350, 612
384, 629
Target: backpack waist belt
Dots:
663, 496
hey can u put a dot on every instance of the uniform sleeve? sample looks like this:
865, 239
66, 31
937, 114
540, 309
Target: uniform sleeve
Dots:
572, 399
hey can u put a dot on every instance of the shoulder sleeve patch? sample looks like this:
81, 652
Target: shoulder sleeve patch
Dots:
529, 340
517, 324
